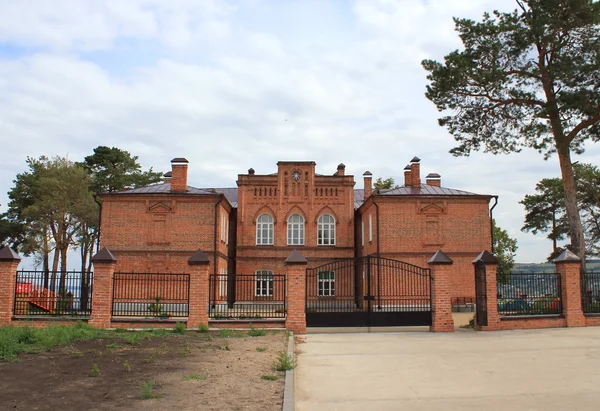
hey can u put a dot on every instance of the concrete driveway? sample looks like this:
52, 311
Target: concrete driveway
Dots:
555, 369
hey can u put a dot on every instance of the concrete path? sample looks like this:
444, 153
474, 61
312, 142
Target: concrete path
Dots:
557, 369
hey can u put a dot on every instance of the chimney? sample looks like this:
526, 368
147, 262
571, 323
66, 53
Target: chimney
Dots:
341, 169
251, 171
415, 172
433, 179
179, 170
167, 177
368, 177
407, 179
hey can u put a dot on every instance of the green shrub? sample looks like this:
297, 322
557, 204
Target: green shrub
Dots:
284, 362
147, 391
179, 328
203, 328
270, 377
95, 371
256, 333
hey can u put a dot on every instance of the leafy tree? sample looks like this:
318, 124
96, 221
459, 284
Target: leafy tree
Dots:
546, 209
113, 169
545, 212
388, 183
528, 78
53, 200
11, 234
505, 248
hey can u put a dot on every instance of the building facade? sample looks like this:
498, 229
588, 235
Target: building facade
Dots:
252, 228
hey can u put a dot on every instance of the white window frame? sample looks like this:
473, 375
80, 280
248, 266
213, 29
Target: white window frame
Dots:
264, 283
227, 230
223, 283
295, 232
260, 227
326, 284
362, 232
326, 230
222, 227
370, 227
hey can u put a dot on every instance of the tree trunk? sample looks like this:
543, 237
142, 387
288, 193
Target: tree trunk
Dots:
575, 228
46, 263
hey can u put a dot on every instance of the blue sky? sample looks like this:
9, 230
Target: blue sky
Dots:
237, 84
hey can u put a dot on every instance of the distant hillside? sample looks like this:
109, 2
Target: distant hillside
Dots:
593, 265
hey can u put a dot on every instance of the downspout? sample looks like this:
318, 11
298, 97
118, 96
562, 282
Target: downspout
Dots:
99, 220
378, 247
217, 204
492, 221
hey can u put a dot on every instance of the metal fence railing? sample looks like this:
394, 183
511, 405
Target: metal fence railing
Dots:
247, 296
151, 295
591, 292
530, 294
47, 293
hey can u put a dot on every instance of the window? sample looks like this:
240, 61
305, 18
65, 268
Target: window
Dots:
370, 227
326, 230
326, 284
362, 232
264, 230
296, 230
223, 228
264, 283
227, 231
223, 283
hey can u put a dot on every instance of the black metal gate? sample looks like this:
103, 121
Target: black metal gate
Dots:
368, 291
480, 294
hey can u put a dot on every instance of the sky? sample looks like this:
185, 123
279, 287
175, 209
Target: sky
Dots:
237, 84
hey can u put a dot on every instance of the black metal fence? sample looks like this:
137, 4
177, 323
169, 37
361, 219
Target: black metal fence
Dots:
530, 294
247, 296
151, 295
44, 293
591, 292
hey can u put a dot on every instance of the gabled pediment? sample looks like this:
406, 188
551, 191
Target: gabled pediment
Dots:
159, 208
432, 208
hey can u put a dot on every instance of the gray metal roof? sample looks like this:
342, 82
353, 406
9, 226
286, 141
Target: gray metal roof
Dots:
164, 188
426, 190
231, 193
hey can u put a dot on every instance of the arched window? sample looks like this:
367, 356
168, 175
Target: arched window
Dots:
296, 230
264, 230
326, 230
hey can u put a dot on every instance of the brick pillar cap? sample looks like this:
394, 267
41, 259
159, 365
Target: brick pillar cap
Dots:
439, 258
8, 254
567, 256
486, 257
296, 258
199, 258
104, 256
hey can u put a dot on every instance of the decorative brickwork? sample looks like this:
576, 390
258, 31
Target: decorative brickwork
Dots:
296, 291
441, 309
199, 294
9, 261
104, 269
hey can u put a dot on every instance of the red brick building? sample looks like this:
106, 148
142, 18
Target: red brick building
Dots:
252, 228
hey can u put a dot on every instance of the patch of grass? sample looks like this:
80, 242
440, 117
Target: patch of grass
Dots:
186, 350
179, 328
194, 377
17, 340
269, 377
95, 371
126, 366
261, 349
147, 390
256, 333
228, 333
284, 362
113, 346
203, 328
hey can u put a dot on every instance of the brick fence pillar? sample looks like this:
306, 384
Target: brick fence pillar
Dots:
9, 261
568, 267
296, 293
441, 305
491, 289
199, 293
102, 295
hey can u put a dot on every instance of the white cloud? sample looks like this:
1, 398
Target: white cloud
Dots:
229, 92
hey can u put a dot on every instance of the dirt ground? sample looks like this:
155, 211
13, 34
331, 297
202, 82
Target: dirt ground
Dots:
192, 372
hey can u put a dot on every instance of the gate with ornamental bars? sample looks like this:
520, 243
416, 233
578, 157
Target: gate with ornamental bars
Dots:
368, 291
